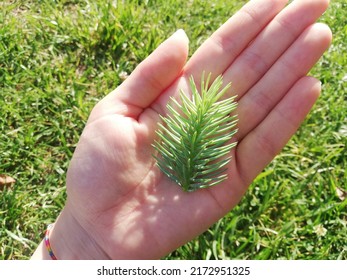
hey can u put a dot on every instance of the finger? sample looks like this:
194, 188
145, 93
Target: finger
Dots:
292, 65
219, 51
264, 142
151, 77
272, 42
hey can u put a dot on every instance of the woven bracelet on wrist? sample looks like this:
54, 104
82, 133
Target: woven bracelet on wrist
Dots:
48, 244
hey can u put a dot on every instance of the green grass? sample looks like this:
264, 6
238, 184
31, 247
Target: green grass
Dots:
58, 58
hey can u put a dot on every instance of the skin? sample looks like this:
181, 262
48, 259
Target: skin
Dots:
119, 205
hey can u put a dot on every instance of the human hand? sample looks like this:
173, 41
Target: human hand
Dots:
119, 204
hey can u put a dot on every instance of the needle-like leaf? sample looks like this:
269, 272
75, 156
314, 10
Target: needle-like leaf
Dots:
194, 139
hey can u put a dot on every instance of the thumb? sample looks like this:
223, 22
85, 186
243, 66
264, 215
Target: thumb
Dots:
150, 78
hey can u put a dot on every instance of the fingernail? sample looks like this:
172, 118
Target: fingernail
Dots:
180, 32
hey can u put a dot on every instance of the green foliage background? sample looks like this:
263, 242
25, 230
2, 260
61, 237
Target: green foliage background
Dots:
58, 58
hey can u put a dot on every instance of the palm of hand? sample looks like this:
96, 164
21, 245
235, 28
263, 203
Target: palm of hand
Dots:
117, 186
117, 193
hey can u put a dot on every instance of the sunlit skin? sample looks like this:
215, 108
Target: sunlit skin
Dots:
119, 204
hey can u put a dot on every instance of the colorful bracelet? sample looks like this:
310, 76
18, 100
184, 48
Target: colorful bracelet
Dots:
48, 244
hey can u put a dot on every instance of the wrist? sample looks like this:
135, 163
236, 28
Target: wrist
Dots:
69, 241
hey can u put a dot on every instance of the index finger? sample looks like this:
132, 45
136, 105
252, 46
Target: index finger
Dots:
220, 50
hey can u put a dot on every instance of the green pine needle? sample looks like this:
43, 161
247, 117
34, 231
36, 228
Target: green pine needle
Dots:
194, 138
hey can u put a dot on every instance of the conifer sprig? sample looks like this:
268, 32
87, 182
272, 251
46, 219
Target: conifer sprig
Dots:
194, 137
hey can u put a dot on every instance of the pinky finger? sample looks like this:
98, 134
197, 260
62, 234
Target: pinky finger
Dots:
264, 142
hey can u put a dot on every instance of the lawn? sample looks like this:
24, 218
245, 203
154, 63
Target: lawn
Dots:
58, 58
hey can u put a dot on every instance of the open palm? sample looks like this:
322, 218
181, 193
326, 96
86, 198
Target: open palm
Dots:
120, 202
